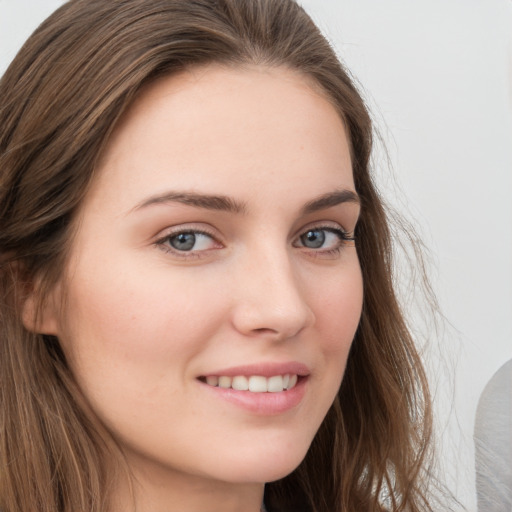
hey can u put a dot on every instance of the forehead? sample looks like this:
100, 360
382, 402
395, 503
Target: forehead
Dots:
217, 126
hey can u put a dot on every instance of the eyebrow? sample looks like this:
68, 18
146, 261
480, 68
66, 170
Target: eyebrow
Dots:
228, 204
331, 199
208, 202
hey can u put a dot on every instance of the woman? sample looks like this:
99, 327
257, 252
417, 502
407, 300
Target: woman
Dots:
196, 271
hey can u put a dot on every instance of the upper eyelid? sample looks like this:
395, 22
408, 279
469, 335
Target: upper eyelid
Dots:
161, 242
217, 236
325, 224
186, 228
161, 239
346, 236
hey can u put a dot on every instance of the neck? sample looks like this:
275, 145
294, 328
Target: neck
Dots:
178, 492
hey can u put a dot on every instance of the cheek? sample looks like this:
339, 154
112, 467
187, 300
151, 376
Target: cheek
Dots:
131, 346
338, 310
138, 325
337, 306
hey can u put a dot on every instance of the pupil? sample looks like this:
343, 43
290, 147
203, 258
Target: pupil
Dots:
183, 241
313, 239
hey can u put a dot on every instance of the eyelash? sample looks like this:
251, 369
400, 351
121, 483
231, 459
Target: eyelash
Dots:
163, 242
345, 238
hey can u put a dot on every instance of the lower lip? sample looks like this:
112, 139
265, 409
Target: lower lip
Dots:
268, 404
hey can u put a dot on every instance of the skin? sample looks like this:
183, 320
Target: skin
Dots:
141, 322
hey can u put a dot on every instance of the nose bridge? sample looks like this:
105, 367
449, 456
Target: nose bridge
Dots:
269, 297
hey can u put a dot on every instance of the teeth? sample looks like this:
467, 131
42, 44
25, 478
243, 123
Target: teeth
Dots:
225, 382
212, 380
275, 384
258, 384
254, 383
240, 383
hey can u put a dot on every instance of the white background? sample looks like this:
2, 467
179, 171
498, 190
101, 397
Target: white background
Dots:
437, 75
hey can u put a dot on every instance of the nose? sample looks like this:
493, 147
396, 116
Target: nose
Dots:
269, 299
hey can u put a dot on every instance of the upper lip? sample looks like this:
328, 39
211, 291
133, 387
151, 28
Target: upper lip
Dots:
263, 369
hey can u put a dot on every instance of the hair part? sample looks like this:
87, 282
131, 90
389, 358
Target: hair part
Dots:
61, 99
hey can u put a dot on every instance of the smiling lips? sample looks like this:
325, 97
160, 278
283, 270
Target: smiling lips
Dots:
254, 383
267, 388
263, 389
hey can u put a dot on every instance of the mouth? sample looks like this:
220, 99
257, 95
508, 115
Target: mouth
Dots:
254, 383
262, 389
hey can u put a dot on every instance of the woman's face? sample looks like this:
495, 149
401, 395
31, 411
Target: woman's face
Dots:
214, 254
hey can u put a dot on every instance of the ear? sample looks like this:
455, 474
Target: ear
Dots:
40, 314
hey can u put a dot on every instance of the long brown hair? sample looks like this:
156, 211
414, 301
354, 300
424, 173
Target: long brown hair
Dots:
59, 102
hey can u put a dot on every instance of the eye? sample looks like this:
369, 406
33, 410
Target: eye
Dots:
324, 238
189, 241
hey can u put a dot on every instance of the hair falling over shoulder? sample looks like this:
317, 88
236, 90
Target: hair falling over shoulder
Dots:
59, 102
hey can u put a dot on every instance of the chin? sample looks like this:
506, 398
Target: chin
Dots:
263, 466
